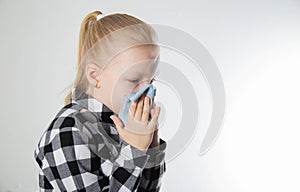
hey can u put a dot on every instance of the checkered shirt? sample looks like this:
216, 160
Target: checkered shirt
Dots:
81, 150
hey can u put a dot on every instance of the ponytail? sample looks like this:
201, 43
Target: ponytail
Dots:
82, 37
84, 30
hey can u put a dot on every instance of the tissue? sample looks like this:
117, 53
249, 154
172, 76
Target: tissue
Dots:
150, 91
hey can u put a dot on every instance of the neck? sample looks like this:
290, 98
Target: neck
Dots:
97, 95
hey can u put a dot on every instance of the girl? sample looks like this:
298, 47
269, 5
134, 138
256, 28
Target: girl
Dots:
86, 147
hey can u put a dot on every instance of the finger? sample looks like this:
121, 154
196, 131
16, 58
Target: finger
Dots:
145, 115
152, 124
152, 109
151, 113
139, 109
132, 108
153, 103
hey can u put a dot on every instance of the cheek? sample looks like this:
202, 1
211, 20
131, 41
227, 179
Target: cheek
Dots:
119, 90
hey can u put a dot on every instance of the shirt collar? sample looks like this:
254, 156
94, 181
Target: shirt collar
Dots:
92, 104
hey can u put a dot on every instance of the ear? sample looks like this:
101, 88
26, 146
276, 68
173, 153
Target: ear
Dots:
93, 73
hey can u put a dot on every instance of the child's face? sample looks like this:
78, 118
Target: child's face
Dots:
127, 73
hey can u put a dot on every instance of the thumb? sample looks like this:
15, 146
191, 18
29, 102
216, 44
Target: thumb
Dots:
116, 121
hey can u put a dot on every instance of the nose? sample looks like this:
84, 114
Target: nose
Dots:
140, 85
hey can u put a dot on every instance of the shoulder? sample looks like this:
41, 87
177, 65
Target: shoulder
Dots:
64, 120
74, 125
65, 117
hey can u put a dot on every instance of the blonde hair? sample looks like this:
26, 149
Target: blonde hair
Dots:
100, 40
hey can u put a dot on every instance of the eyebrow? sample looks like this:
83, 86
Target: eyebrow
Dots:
140, 74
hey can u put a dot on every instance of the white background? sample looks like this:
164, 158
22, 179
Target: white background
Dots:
255, 44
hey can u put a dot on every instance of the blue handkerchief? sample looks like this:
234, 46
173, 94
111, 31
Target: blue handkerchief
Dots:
131, 97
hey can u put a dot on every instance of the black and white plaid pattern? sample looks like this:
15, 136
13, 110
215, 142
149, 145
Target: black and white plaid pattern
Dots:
82, 151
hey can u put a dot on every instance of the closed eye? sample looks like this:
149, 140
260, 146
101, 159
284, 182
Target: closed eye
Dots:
134, 81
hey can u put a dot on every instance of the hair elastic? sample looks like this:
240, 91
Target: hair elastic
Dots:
100, 16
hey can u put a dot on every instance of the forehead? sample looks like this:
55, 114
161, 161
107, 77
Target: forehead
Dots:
137, 60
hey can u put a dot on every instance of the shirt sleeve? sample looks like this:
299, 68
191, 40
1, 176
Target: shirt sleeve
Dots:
71, 162
155, 169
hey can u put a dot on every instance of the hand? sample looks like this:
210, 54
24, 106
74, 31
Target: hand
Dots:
139, 131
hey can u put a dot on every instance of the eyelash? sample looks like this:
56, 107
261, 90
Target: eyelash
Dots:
136, 80
133, 81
